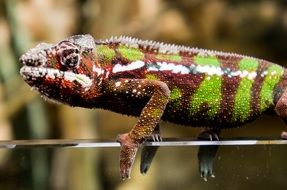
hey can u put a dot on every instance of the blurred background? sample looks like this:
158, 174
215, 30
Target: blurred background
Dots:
257, 28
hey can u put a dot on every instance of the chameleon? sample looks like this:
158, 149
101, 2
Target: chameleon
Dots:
156, 81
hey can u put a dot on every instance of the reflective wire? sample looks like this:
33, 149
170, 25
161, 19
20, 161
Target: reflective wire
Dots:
168, 142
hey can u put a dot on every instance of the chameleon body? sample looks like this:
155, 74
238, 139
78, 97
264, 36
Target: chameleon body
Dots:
156, 81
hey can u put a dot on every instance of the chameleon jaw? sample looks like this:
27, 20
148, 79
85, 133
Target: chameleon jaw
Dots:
30, 74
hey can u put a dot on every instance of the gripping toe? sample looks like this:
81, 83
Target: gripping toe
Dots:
127, 155
208, 134
284, 135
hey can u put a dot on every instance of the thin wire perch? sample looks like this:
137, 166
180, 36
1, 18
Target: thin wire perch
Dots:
89, 143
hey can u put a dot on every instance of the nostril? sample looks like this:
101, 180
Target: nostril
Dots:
21, 61
30, 62
25, 62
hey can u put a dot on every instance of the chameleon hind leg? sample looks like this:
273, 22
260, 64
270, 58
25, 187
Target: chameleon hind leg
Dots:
150, 116
207, 153
281, 110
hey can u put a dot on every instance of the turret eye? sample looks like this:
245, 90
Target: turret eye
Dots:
70, 57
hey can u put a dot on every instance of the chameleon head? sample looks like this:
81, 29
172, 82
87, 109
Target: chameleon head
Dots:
62, 72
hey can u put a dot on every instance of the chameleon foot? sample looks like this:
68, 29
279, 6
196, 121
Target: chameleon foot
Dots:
127, 155
155, 136
209, 134
284, 135
148, 152
206, 154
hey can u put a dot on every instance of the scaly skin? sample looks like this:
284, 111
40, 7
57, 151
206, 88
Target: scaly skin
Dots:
154, 81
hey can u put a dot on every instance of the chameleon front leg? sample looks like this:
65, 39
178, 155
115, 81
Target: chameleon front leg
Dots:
150, 116
281, 110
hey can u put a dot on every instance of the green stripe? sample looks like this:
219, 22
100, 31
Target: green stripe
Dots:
175, 97
105, 52
248, 64
167, 57
207, 60
132, 54
151, 77
274, 73
175, 94
209, 91
243, 95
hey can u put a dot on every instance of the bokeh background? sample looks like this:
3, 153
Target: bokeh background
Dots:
257, 28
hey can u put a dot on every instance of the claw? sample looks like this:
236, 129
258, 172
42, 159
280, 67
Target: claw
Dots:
207, 134
203, 175
216, 136
284, 135
156, 138
210, 137
127, 155
206, 172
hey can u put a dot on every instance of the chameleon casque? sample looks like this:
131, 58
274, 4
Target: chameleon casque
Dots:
156, 81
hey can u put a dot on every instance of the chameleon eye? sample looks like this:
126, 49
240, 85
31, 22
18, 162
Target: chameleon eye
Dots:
70, 57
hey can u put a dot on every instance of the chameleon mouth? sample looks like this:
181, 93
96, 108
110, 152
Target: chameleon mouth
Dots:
31, 74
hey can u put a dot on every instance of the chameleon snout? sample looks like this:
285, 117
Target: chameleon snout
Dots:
33, 60
36, 56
